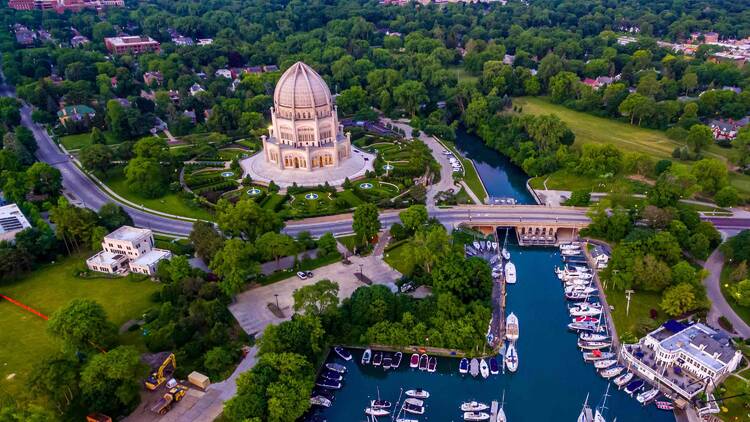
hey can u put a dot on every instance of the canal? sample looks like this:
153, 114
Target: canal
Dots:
552, 379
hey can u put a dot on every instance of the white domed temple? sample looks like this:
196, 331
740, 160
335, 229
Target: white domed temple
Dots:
306, 144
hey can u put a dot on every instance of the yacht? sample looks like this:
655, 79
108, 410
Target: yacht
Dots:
329, 384
366, 356
593, 337
418, 393
623, 379
611, 372
336, 367
511, 358
511, 327
476, 416
634, 386
591, 345
476, 245
510, 273
586, 415
484, 369
376, 412
331, 375
596, 355
463, 366
380, 404
585, 310
599, 413
343, 353
320, 401
473, 406
604, 363
647, 396
415, 401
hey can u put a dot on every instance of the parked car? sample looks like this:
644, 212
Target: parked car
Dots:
302, 275
309, 274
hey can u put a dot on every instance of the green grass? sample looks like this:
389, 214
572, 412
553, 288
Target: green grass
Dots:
566, 180
462, 74
169, 203
349, 241
25, 339
638, 320
398, 258
726, 289
305, 265
81, 140
733, 409
471, 177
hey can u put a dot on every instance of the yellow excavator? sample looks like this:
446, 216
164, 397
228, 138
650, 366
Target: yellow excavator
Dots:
157, 378
172, 396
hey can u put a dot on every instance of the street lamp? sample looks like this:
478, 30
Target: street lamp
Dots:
277, 301
361, 274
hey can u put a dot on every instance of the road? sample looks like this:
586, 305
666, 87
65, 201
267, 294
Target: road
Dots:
719, 305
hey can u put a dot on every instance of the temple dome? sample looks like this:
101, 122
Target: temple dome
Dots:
301, 87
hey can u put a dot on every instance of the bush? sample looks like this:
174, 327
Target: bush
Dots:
727, 197
579, 198
662, 166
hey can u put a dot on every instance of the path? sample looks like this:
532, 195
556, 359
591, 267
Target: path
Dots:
719, 305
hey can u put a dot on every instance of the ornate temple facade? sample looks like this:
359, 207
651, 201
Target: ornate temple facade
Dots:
305, 132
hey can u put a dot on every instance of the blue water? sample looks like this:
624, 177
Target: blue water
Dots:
501, 178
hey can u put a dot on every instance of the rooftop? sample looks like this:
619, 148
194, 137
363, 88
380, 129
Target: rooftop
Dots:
126, 40
106, 258
12, 219
154, 255
128, 233
711, 348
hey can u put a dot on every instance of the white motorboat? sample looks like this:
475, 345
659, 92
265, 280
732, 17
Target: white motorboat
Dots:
343, 353
418, 393
474, 367
586, 289
593, 345
505, 254
337, 367
484, 368
585, 309
647, 396
570, 252
320, 401
511, 358
623, 379
510, 273
495, 245
570, 246
596, 355
476, 245
376, 412
511, 327
410, 408
604, 363
414, 401
611, 372
593, 337
473, 406
476, 416
366, 356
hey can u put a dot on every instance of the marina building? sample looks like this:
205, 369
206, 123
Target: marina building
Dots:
12, 222
128, 249
687, 359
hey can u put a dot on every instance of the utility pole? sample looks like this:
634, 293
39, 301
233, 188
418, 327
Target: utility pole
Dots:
629, 293
277, 301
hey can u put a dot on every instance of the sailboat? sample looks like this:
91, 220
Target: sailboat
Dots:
511, 327
500, 417
599, 413
506, 254
586, 414
511, 358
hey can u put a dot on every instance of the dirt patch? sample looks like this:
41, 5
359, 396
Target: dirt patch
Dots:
642, 179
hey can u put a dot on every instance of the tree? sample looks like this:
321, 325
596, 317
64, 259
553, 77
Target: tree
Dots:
110, 382
727, 197
670, 187
145, 176
206, 240
327, 244
97, 137
274, 245
679, 299
352, 100
414, 217
44, 179
246, 219
711, 175
467, 279
113, 216
316, 299
579, 198
689, 81
97, 158
563, 86
81, 324
73, 225
366, 222
235, 264
699, 137
737, 248
303, 335
56, 379
637, 106
277, 389
410, 95
429, 246
652, 274
15, 412
699, 246
741, 292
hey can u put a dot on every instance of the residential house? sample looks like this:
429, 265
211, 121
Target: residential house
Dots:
150, 77
75, 113
190, 114
195, 89
182, 40
24, 35
509, 59
254, 69
79, 41
593, 83
128, 249
205, 41
625, 40
223, 73
12, 222
270, 68
727, 129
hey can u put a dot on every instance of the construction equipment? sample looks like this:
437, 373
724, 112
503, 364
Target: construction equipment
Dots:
157, 378
172, 396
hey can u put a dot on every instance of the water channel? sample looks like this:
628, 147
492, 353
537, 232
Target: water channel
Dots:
552, 380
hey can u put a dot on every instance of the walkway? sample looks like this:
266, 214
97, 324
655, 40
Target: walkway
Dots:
719, 305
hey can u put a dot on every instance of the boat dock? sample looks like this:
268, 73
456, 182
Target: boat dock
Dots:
493, 411
497, 326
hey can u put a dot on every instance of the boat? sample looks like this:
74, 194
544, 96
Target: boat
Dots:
512, 329
623, 379
380, 404
341, 369
664, 405
474, 367
376, 412
580, 289
396, 360
611, 372
500, 415
414, 401
593, 337
387, 361
584, 326
604, 363
510, 273
366, 356
343, 353
505, 254
423, 362
571, 252
332, 375
476, 416
586, 415
414, 360
585, 311
432, 365
596, 355
329, 384
320, 401
647, 396
417, 393
317, 391
495, 245
476, 245
417, 410
473, 406
575, 296
591, 345
634, 386
484, 369
494, 367
406, 420
511, 358
483, 244
600, 410
377, 358
463, 366
586, 319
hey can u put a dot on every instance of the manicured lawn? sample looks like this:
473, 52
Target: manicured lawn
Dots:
726, 289
398, 258
733, 409
565, 180
349, 241
471, 177
169, 203
638, 321
25, 340
81, 140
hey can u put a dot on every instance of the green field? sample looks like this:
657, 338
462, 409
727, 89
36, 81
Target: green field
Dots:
25, 340
169, 203
638, 320
462, 74
399, 260
471, 177
726, 287
80, 140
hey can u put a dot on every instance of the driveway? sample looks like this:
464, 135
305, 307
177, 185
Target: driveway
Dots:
719, 305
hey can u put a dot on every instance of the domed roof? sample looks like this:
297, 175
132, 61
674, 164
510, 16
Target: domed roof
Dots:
301, 87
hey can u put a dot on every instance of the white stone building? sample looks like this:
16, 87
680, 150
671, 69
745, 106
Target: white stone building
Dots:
305, 132
12, 221
128, 249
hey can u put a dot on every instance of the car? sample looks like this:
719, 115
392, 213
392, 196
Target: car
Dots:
309, 274
302, 275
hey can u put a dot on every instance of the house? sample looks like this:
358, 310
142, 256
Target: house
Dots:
735, 89
728, 57
182, 40
61, 6
128, 249
75, 113
254, 69
687, 359
24, 35
195, 89
509, 59
625, 40
190, 114
600, 257
150, 77
708, 37
224, 73
131, 44
593, 83
12, 222
727, 129
79, 41
205, 41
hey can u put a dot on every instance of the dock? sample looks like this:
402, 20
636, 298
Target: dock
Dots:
493, 411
